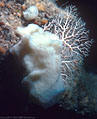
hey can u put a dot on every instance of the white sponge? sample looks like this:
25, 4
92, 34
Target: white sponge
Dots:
30, 13
39, 53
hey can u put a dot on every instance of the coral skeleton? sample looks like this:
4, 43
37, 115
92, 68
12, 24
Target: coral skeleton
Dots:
72, 32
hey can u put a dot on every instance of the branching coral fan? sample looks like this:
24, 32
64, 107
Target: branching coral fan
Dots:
71, 30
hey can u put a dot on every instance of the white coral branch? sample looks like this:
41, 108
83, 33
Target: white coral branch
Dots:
71, 30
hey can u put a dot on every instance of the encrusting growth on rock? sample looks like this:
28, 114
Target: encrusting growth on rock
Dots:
31, 13
2, 50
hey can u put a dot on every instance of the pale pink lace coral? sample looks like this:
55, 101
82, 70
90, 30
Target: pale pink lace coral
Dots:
71, 30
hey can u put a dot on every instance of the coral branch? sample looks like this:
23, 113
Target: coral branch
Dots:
71, 30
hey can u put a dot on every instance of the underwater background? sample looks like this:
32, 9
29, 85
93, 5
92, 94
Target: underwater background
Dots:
88, 11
